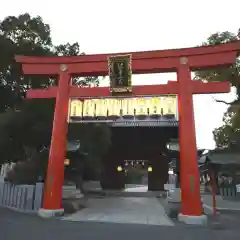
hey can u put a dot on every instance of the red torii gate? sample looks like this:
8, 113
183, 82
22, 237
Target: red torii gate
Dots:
181, 61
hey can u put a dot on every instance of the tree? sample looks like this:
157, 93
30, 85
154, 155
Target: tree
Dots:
22, 35
95, 140
229, 133
24, 123
73, 50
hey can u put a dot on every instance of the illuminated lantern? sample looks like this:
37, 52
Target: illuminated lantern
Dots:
141, 108
101, 108
150, 169
131, 107
114, 108
124, 106
172, 106
164, 106
89, 109
73, 108
76, 108
119, 169
66, 162
154, 107
169, 106
128, 107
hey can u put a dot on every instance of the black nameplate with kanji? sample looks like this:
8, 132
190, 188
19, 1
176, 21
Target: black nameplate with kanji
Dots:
120, 73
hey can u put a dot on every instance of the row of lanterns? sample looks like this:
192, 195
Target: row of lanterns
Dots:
134, 164
128, 107
120, 169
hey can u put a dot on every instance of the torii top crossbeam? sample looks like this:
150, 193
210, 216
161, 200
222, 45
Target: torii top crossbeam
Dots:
142, 62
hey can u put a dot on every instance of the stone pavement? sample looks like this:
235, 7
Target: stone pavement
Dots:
136, 188
131, 190
18, 226
222, 205
96, 186
140, 210
71, 192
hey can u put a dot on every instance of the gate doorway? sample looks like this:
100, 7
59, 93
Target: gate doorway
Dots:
136, 175
133, 147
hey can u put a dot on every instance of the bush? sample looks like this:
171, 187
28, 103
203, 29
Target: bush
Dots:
28, 172
22, 173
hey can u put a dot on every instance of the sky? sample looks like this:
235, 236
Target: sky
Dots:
106, 26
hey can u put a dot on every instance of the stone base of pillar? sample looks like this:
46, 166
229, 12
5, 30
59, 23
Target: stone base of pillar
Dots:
47, 213
194, 220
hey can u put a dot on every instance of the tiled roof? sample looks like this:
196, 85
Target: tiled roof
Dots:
222, 156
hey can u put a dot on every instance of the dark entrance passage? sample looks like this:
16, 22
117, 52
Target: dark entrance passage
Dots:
137, 143
136, 172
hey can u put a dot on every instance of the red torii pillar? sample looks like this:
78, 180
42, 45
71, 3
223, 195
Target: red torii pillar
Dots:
146, 62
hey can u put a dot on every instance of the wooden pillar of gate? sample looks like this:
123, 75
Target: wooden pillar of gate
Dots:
189, 178
55, 172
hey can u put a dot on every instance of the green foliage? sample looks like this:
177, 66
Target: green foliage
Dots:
95, 140
228, 134
27, 124
221, 74
29, 171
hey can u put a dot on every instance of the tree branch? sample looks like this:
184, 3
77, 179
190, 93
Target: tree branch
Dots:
222, 101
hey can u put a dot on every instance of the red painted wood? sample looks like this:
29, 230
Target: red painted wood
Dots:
145, 90
213, 60
222, 48
139, 66
101, 68
50, 92
213, 183
143, 62
44, 69
55, 172
190, 184
198, 87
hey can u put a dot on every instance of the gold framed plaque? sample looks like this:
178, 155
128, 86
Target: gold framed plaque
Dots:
120, 73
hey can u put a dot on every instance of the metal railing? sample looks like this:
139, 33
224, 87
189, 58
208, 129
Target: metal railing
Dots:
229, 192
